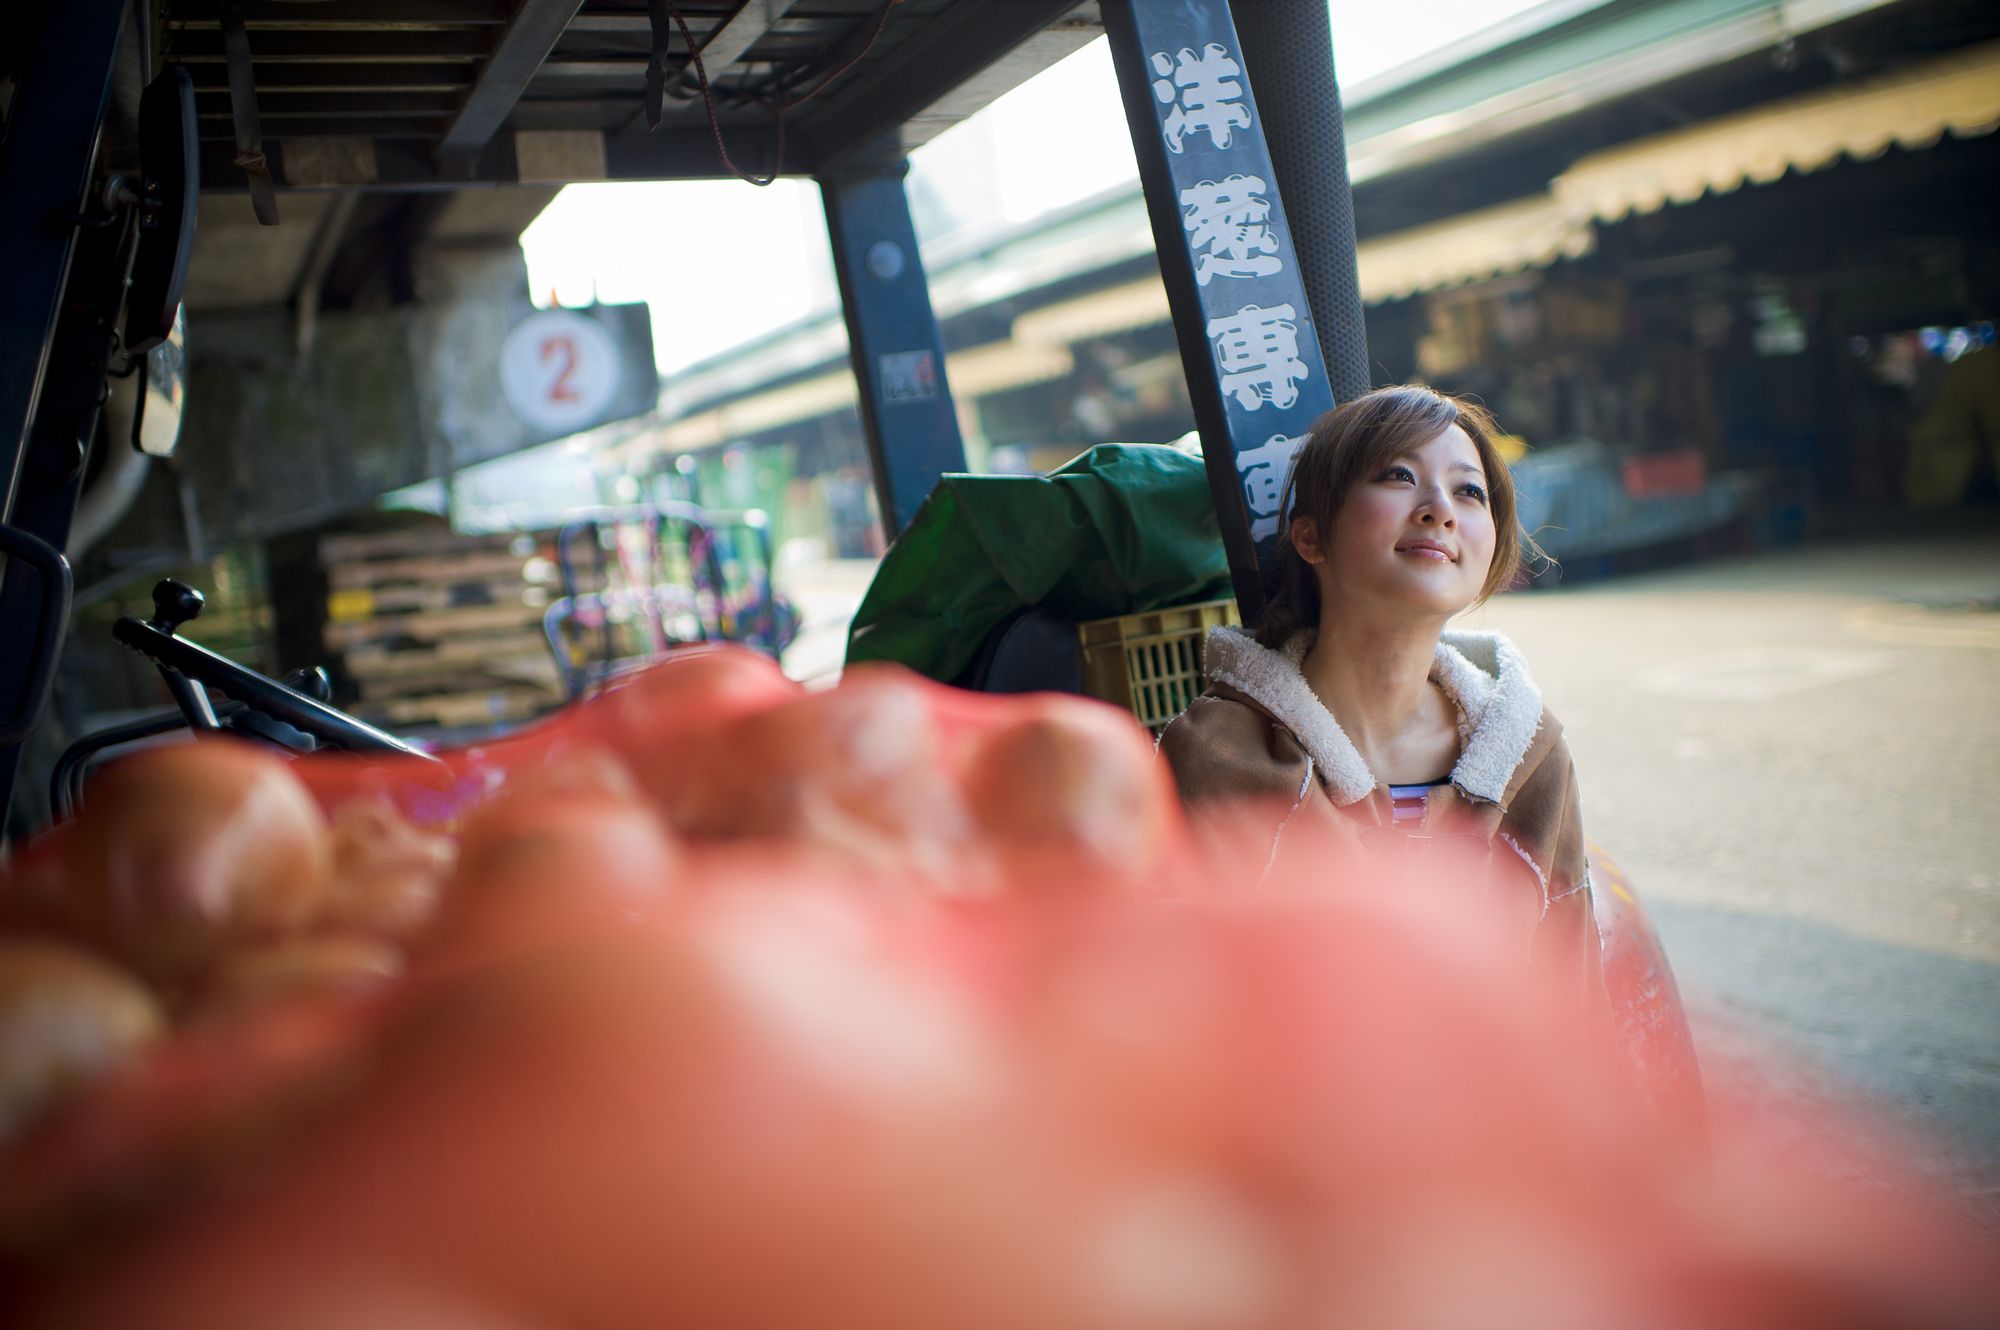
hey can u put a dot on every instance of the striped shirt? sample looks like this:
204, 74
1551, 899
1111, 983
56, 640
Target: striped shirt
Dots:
1406, 802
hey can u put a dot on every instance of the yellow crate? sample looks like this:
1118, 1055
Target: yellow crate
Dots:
1150, 663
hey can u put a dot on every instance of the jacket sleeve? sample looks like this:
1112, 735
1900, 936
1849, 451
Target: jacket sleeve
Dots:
1569, 931
1545, 822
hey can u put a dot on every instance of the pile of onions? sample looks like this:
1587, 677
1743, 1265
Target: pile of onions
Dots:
718, 1002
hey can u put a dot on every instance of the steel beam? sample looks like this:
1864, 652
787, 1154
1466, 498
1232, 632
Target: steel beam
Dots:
890, 102
213, 104
45, 173
894, 343
735, 36
290, 47
402, 165
1254, 369
360, 80
353, 16
51, 475
536, 28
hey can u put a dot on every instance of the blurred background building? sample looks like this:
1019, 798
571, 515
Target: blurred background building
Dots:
1731, 254
1725, 269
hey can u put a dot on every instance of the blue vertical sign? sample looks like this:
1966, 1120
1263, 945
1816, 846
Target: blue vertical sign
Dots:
1252, 360
907, 416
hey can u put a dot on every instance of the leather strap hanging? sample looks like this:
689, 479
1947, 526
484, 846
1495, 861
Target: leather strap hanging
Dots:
657, 72
243, 110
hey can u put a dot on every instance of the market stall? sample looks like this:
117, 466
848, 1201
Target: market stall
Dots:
714, 999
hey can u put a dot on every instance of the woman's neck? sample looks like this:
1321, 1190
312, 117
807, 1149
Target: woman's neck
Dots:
1375, 679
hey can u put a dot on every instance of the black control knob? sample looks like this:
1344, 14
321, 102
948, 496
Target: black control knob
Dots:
313, 681
174, 603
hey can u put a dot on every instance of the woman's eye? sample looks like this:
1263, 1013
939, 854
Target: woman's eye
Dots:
1398, 473
1477, 494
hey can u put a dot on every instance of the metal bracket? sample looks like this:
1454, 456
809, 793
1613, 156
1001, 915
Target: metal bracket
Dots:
243, 110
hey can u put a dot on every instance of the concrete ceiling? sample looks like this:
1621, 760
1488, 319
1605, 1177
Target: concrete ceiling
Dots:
237, 264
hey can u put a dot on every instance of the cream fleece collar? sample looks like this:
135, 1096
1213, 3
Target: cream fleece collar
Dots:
1482, 672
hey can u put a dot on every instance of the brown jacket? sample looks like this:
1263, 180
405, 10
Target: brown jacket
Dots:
1260, 733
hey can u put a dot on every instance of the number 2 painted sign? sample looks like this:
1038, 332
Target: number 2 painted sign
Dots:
561, 348
559, 369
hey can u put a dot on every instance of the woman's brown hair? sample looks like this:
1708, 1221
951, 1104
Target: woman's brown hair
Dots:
1353, 442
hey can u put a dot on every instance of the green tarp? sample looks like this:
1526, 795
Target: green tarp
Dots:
1121, 529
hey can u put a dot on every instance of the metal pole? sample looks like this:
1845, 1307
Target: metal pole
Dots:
1245, 326
45, 173
56, 326
1288, 47
51, 476
893, 340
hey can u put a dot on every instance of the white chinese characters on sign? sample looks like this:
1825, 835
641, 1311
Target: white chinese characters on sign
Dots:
1205, 92
1231, 221
1257, 350
1264, 469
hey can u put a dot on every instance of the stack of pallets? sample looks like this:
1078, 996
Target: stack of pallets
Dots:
427, 627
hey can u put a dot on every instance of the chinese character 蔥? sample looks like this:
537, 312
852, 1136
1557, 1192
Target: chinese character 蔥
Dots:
1264, 469
1257, 350
1205, 93
1231, 220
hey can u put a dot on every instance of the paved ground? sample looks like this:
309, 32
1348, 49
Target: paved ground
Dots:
1797, 757
827, 595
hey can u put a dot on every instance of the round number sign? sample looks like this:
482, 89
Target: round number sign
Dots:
559, 370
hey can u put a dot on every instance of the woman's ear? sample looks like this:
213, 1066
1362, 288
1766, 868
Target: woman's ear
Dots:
1305, 539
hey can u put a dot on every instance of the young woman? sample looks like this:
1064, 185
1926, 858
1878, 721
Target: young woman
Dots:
1353, 708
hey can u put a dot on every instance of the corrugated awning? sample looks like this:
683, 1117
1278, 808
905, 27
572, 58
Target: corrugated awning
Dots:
1532, 233
794, 402
977, 372
1137, 304
1957, 93
997, 367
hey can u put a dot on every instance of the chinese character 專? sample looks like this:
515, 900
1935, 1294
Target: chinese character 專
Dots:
1204, 91
1257, 351
1231, 220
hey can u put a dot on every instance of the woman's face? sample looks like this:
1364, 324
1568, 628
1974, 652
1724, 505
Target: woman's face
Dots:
1416, 535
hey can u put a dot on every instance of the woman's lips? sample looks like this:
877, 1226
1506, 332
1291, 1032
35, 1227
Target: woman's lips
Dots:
1435, 553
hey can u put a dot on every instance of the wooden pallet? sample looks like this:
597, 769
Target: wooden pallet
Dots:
456, 710
431, 570
467, 653
435, 539
537, 670
356, 603
431, 626
434, 628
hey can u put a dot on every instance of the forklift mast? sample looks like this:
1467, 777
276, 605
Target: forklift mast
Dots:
1234, 116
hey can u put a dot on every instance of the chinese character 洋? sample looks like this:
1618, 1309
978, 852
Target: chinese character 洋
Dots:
1264, 469
1204, 91
1257, 351
1231, 220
